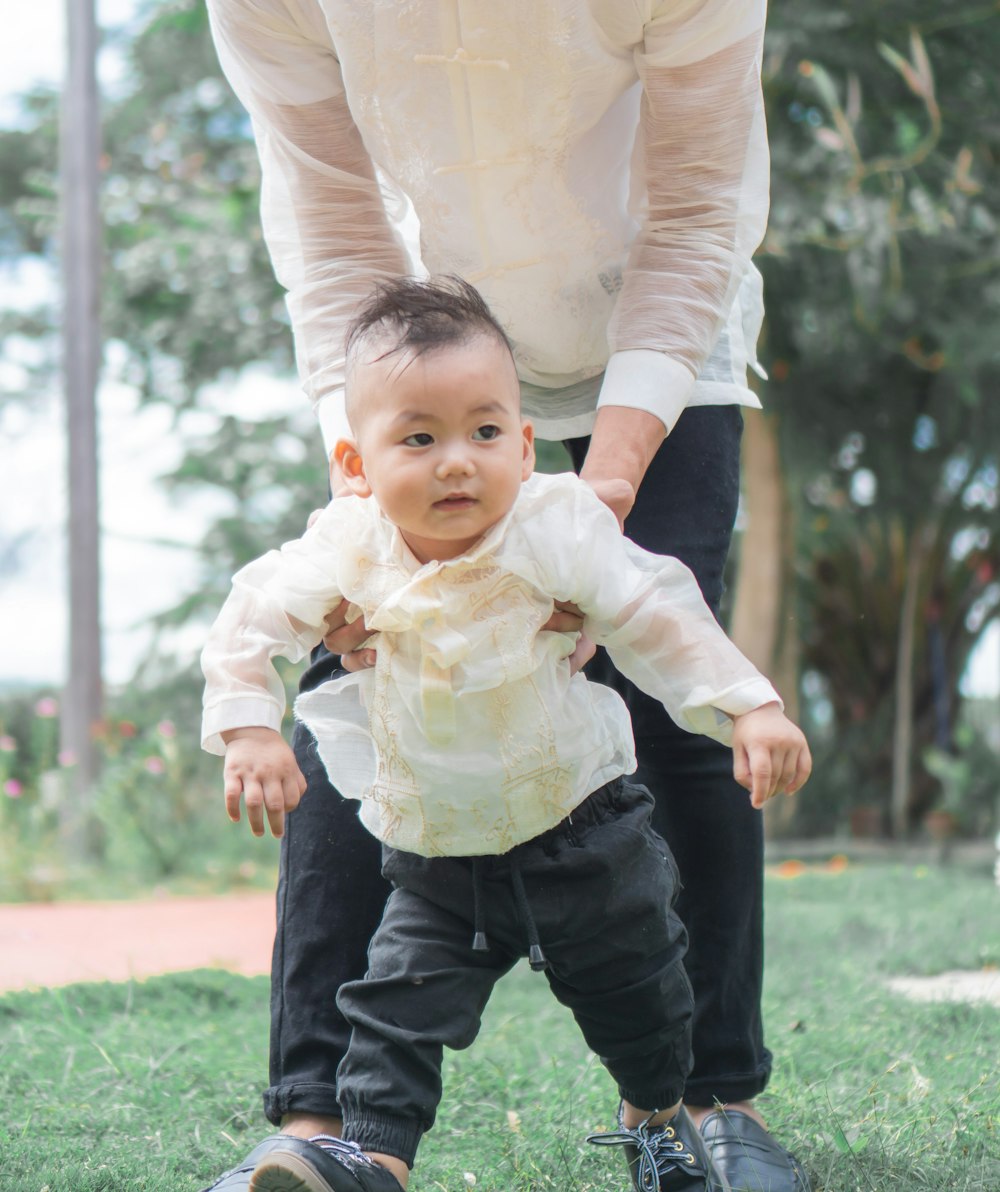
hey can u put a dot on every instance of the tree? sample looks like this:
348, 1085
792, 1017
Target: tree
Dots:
881, 270
189, 295
80, 227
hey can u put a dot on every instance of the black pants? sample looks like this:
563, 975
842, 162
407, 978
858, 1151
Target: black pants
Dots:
595, 891
331, 891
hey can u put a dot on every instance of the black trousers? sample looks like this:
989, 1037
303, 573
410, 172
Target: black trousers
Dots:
595, 892
331, 891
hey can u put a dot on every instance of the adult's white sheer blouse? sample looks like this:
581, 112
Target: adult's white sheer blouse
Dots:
598, 168
470, 735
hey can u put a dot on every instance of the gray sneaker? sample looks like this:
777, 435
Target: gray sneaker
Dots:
671, 1157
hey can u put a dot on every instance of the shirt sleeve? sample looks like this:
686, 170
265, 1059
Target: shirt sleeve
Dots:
324, 210
649, 614
276, 608
703, 158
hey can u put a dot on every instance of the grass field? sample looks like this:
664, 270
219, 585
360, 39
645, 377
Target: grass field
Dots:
155, 1086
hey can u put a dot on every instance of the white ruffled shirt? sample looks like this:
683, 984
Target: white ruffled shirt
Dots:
469, 735
597, 168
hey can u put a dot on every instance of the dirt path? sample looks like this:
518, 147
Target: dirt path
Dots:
46, 944
60, 943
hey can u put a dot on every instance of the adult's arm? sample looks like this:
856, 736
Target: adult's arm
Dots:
324, 211
704, 152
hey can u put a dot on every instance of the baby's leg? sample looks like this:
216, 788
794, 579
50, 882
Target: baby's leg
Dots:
425, 990
619, 961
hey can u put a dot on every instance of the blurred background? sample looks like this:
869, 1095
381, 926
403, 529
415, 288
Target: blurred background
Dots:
865, 573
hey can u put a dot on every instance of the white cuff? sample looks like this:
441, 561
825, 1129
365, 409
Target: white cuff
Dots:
331, 411
241, 711
644, 379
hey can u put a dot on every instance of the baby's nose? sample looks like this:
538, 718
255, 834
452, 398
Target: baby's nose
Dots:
456, 461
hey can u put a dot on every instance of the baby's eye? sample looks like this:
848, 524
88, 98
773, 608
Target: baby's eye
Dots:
485, 433
420, 439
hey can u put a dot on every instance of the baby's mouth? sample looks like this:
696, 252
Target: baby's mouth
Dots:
455, 501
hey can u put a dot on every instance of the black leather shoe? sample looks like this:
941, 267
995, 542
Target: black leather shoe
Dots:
671, 1157
326, 1165
238, 1178
748, 1156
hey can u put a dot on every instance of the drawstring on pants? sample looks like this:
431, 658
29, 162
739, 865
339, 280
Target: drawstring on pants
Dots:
536, 957
479, 943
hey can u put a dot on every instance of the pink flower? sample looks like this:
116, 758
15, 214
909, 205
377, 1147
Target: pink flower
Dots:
66, 757
47, 707
166, 729
12, 788
7, 745
155, 765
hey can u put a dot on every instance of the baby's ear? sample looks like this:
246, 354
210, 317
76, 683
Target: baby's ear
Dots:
347, 466
527, 449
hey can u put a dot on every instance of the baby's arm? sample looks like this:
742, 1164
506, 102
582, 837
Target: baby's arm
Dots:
649, 613
261, 770
276, 609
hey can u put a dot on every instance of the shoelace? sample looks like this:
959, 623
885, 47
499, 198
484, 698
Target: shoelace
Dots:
650, 1143
348, 1151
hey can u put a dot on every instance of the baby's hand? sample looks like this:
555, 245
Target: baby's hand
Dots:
770, 754
261, 769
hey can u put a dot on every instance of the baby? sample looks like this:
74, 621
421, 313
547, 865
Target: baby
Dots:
492, 774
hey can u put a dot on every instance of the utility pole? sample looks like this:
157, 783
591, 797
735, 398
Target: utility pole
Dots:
80, 148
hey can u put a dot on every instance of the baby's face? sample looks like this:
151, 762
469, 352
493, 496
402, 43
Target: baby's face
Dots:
442, 443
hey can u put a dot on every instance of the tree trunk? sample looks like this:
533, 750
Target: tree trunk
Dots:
82, 703
902, 737
763, 623
757, 600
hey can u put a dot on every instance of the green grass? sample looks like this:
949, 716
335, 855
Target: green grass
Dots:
156, 1086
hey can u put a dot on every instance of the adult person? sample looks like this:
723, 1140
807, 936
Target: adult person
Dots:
599, 171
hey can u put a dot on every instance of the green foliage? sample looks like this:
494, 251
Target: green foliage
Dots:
158, 803
156, 1085
189, 290
179, 203
188, 294
968, 775
883, 287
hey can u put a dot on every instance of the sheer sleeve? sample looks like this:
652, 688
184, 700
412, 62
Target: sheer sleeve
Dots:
276, 609
648, 612
324, 211
704, 161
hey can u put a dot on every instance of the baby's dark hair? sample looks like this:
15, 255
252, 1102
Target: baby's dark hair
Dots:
410, 314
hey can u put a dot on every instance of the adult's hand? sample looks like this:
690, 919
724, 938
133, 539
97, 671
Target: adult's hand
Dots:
622, 445
618, 495
567, 618
345, 638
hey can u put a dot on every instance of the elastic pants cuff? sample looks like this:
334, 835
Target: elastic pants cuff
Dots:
652, 1099
726, 1089
386, 1133
309, 1097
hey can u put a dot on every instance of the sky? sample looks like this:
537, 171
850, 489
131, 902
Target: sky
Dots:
141, 575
